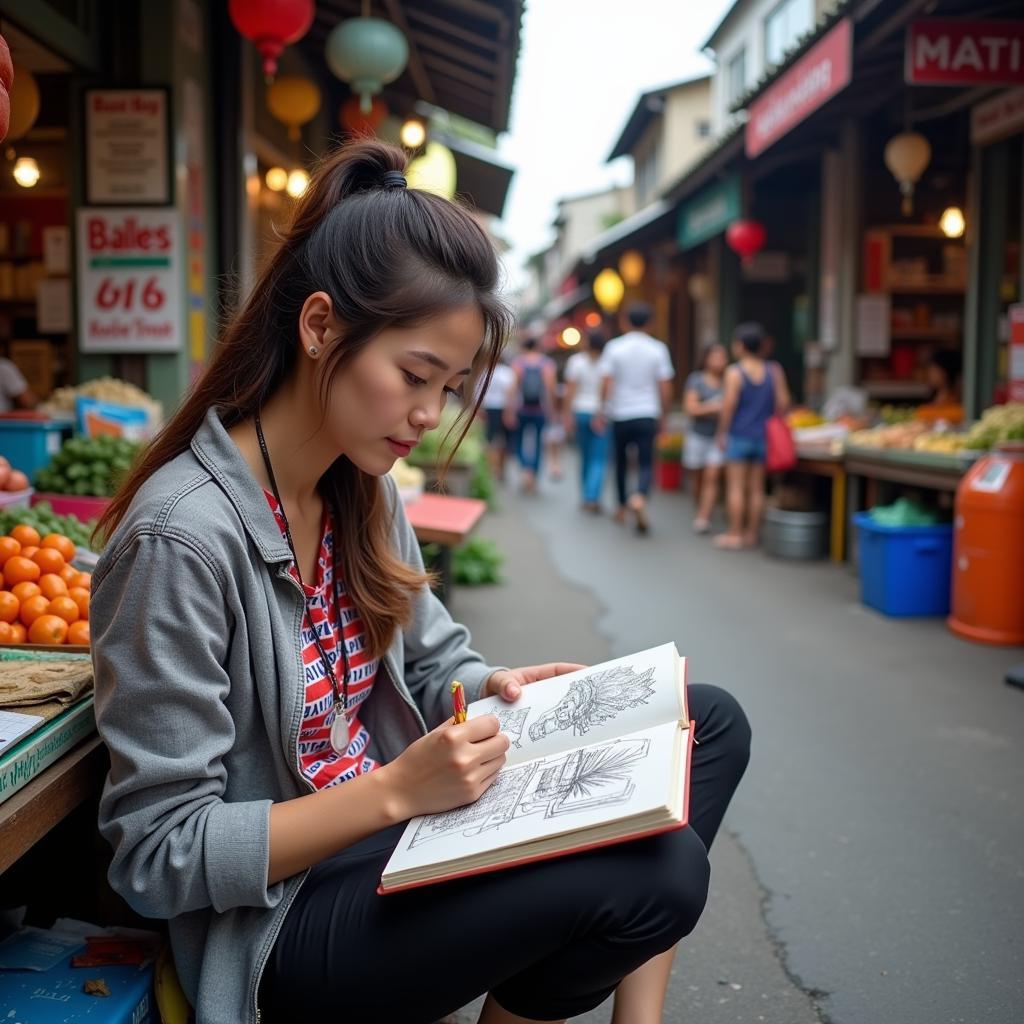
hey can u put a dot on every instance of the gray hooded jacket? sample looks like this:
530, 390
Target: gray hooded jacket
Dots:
199, 694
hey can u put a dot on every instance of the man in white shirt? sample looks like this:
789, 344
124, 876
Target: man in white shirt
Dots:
636, 372
493, 406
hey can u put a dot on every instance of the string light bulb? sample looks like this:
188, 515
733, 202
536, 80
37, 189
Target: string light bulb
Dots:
952, 222
26, 172
298, 182
277, 179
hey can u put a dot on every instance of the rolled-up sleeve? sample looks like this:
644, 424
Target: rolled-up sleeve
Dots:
161, 632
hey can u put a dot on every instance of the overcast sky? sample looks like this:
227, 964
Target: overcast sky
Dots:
581, 67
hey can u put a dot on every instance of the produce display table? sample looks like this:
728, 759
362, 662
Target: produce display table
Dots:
50, 797
822, 461
930, 470
446, 521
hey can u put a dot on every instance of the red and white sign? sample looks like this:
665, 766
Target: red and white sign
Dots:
964, 51
815, 78
129, 280
1016, 374
998, 118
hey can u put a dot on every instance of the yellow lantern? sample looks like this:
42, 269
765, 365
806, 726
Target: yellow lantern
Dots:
434, 171
293, 100
24, 104
631, 267
609, 290
907, 155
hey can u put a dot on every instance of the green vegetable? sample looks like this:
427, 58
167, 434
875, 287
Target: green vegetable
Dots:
88, 466
477, 562
45, 520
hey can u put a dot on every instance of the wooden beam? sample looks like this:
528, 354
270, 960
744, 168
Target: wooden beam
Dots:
437, 45
461, 74
477, 8
453, 30
416, 68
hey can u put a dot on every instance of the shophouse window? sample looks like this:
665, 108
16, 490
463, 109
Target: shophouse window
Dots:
737, 77
703, 128
647, 176
786, 23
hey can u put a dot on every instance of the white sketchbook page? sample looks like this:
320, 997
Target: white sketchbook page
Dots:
593, 704
14, 725
548, 796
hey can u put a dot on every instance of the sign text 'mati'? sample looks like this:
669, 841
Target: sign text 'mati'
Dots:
815, 78
958, 51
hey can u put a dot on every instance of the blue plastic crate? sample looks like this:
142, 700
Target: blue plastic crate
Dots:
30, 444
904, 570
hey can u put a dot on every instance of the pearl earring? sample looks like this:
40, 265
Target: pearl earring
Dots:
314, 351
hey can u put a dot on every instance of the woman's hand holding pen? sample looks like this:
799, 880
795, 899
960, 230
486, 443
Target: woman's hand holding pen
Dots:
449, 767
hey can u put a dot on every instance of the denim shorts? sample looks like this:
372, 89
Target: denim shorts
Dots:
744, 449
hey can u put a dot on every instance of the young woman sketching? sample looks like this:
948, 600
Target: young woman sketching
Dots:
272, 669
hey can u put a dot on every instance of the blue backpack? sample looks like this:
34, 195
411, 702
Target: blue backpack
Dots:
531, 386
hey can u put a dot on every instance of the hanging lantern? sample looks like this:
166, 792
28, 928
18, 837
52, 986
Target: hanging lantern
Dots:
354, 121
293, 100
434, 171
699, 287
271, 25
631, 267
952, 223
746, 238
609, 290
907, 155
24, 104
6, 81
367, 53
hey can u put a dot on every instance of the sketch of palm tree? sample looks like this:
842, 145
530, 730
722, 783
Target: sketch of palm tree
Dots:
603, 768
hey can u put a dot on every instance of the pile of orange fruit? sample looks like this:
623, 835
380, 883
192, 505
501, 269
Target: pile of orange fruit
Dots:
44, 599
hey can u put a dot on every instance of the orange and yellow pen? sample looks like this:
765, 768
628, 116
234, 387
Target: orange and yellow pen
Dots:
459, 700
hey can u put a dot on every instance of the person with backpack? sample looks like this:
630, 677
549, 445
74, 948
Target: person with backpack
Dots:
530, 401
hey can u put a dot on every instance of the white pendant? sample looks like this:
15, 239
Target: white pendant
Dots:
339, 733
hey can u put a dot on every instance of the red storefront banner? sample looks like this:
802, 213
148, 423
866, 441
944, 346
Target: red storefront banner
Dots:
815, 78
964, 51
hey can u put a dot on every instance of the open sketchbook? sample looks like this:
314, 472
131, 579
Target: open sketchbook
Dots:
598, 756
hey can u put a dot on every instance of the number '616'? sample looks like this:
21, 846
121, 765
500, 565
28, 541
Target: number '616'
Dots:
126, 295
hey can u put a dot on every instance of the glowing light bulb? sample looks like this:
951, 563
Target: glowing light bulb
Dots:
952, 222
26, 172
413, 133
298, 182
570, 337
277, 179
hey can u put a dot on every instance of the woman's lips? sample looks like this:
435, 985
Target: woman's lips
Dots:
401, 448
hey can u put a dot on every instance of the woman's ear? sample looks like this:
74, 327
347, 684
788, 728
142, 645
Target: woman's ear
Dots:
316, 324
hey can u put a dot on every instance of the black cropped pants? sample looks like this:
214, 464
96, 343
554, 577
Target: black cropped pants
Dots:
549, 940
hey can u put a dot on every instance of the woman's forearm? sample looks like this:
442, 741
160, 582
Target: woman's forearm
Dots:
307, 829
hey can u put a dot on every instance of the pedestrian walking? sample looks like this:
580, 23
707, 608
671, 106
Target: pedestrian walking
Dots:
554, 431
636, 370
755, 390
583, 402
529, 404
493, 404
702, 403
272, 668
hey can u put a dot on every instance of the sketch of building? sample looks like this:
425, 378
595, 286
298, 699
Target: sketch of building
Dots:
566, 784
512, 721
594, 699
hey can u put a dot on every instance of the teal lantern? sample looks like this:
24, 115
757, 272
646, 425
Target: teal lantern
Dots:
367, 53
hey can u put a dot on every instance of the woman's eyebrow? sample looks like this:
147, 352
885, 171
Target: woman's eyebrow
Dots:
429, 357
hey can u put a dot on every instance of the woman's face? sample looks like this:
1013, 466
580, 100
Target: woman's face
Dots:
383, 402
717, 361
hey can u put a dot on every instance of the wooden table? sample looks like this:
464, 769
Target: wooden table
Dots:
823, 462
446, 521
930, 470
50, 797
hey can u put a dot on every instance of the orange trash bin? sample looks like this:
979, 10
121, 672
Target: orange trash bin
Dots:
988, 550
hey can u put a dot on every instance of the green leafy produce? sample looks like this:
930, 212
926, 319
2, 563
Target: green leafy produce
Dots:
1000, 423
477, 562
436, 445
88, 466
45, 520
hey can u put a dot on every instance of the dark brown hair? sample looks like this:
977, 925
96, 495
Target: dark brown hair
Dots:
387, 257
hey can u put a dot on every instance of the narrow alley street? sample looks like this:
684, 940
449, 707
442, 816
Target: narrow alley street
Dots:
884, 783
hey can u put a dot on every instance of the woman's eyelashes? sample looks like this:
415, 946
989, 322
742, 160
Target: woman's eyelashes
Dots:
413, 381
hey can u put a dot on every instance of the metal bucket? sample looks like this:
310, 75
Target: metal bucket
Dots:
795, 534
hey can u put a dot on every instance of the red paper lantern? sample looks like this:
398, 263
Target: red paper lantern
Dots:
352, 118
746, 238
6, 79
271, 25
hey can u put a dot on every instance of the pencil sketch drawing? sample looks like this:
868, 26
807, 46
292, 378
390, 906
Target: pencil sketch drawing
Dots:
594, 699
552, 787
512, 721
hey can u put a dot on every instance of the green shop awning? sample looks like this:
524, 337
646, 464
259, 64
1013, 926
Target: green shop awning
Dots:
709, 212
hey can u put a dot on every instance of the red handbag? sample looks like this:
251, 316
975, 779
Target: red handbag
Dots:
780, 448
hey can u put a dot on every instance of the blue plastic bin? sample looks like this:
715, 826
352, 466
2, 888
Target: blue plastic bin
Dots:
30, 444
904, 570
